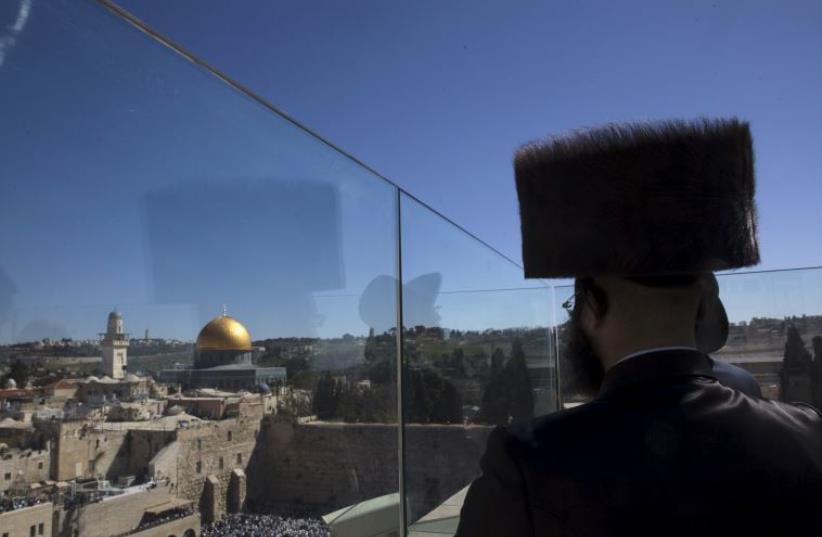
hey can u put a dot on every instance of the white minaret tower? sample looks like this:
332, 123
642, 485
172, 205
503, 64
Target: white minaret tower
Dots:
114, 344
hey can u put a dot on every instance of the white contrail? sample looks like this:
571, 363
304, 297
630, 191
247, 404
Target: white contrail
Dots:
7, 41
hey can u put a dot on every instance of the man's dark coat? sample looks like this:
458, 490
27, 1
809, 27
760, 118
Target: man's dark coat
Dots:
664, 450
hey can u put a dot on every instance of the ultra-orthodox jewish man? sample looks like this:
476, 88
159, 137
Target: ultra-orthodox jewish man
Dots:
641, 215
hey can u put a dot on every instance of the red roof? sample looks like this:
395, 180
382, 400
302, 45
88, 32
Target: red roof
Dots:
63, 384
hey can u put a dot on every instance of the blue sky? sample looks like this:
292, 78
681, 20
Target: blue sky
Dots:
437, 95
133, 179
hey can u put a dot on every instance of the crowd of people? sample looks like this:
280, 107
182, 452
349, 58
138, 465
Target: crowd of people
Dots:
168, 516
10, 504
252, 525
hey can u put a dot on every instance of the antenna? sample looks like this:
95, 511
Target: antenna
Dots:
225, 311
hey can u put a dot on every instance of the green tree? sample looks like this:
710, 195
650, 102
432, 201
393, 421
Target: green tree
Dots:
381, 372
816, 344
326, 398
20, 372
497, 361
432, 398
496, 402
421, 406
458, 362
796, 356
508, 395
447, 407
522, 396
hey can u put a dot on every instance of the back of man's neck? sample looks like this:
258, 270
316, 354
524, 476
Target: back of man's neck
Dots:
617, 353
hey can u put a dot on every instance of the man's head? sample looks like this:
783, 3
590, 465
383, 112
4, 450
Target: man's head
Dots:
613, 317
622, 316
639, 210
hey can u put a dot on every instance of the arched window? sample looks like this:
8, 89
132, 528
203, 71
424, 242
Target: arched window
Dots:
189, 533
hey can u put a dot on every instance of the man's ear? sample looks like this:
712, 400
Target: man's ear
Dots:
594, 307
597, 301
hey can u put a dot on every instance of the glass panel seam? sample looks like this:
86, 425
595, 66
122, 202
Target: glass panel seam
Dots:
399, 361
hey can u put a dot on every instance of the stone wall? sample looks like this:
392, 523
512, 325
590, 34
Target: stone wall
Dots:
164, 465
317, 465
19, 523
325, 466
183, 527
142, 446
18, 466
440, 460
17, 437
82, 452
119, 514
214, 448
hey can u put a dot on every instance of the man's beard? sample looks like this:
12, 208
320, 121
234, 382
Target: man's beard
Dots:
581, 368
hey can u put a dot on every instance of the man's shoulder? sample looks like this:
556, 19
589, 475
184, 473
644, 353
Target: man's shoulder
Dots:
571, 416
792, 415
569, 425
589, 422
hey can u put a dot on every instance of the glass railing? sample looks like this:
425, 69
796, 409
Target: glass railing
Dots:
776, 331
305, 339
199, 293
477, 352
254, 267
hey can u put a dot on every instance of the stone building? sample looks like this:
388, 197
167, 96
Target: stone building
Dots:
20, 404
15, 433
19, 468
224, 359
207, 462
35, 520
61, 390
97, 391
114, 346
139, 511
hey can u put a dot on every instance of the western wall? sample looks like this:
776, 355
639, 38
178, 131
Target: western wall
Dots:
324, 466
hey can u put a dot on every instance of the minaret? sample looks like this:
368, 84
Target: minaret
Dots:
114, 345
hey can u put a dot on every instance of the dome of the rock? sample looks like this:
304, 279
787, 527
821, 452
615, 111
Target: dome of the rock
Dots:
224, 333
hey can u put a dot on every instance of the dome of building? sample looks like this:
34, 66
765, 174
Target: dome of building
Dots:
224, 334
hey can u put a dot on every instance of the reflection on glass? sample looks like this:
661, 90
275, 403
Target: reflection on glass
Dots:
476, 353
185, 304
776, 331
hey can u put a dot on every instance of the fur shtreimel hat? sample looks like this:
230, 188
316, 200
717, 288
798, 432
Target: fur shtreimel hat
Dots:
639, 200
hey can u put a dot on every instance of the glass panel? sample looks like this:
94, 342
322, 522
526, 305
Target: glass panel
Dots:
775, 333
477, 352
240, 254
572, 389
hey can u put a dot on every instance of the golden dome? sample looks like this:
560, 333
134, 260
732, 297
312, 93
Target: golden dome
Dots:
224, 334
